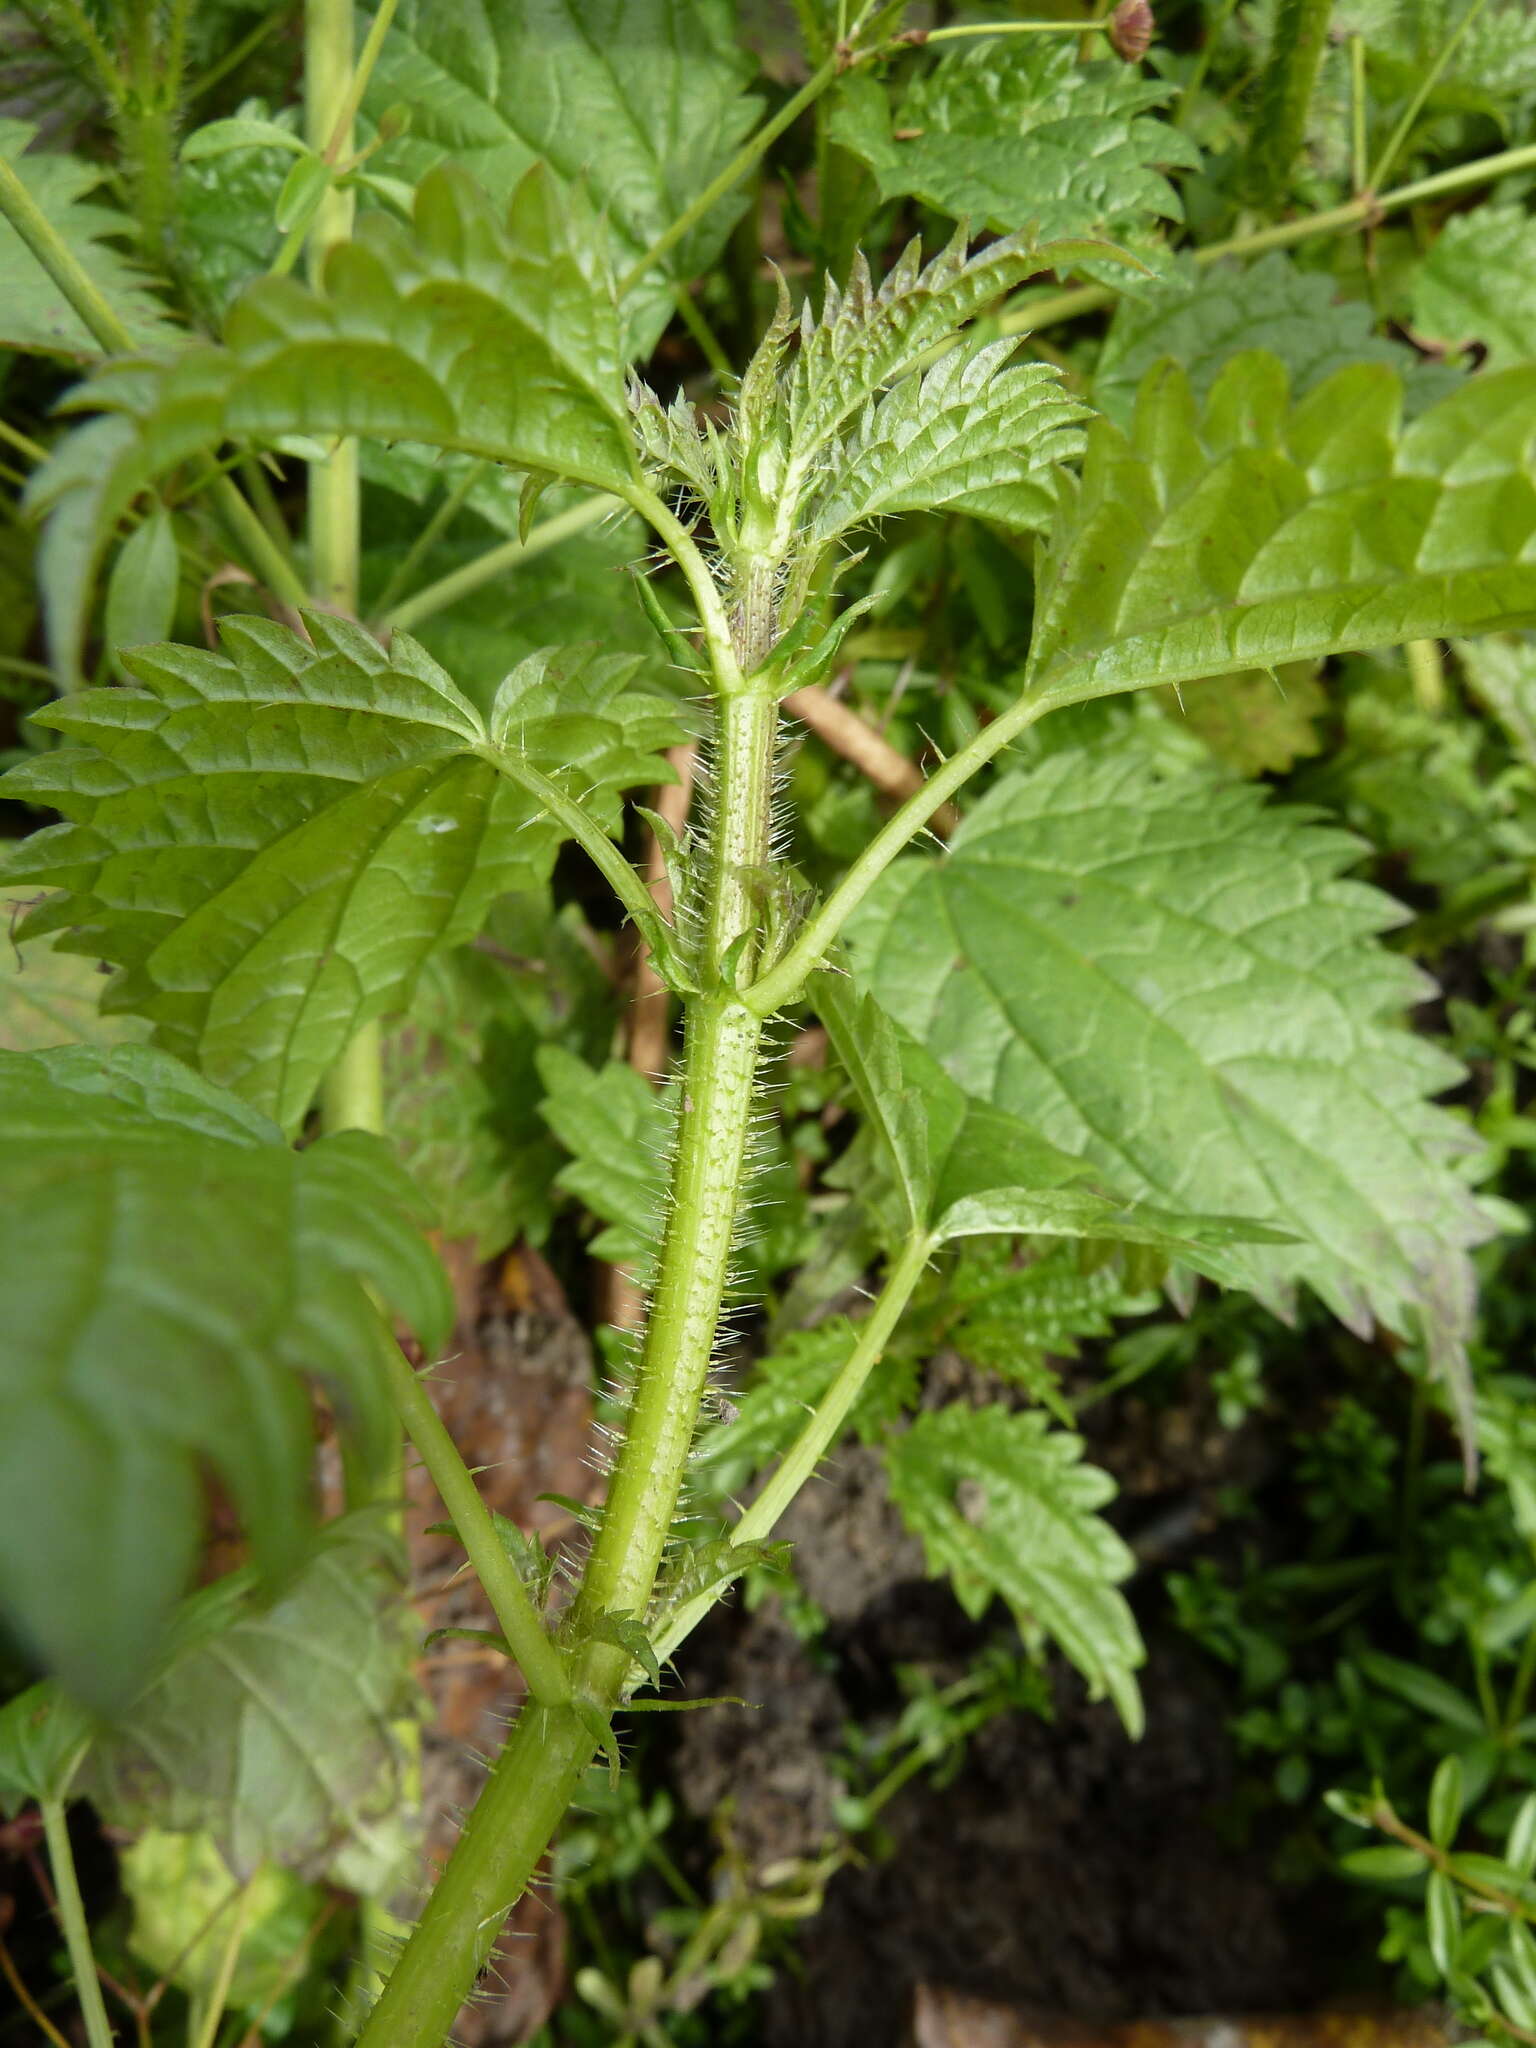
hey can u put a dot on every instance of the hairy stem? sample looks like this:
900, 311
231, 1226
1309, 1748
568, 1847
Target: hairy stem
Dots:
542, 1666
1296, 48
523, 1802
536, 1776
820, 1432
72, 1922
784, 981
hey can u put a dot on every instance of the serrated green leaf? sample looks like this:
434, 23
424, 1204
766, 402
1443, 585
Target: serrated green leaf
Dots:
273, 1727
314, 820
1255, 533
643, 101
967, 1168
1004, 1505
175, 1278
1017, 131
43, 1740
483, 327
35, 316
1172, 982
1478, 284
970, 434
617, 1129
1201, 317
804, 420
51, 997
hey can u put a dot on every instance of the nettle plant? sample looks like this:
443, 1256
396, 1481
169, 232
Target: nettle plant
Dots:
1129, 1005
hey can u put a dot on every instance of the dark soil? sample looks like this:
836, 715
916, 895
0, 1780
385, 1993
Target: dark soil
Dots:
1064, 1869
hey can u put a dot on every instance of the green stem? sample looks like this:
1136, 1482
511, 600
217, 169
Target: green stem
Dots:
693, 319
428, 536
61, 263
207, 2030
1426, 673
1354, 213
340, 145
1285, 95
238, 52
352, 1093
1004, 28
334, 483
538, 1771
820, 1432
595, 843
1425, 87
77, 1935
269, 561
488, 567
523, 1802
723, 653
542, 1665
1358, 160
784, 981
740, 164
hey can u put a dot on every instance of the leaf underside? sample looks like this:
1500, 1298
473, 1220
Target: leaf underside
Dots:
272, 1726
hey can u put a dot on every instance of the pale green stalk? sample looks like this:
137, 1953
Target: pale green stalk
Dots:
750, 153
72, 1923
206, 2030
1426, 86
352, 1093
428, 536
537, 1774
1005, 28
1354, 213
542, 1666
334, 481
404, 616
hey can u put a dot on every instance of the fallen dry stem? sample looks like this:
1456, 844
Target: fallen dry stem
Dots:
846, 733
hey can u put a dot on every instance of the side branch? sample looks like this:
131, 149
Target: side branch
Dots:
784, 981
